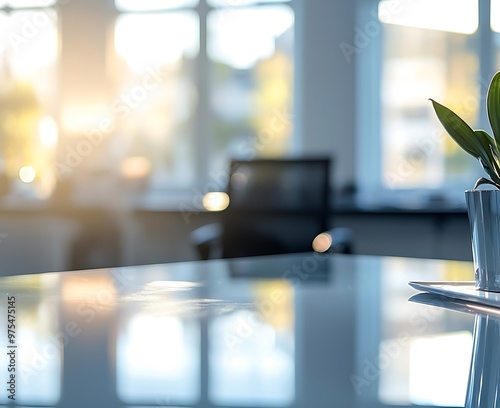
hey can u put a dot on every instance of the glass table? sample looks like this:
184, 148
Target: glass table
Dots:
305, 330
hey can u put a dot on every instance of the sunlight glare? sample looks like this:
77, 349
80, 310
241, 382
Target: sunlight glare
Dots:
449, 355
148, 5
47, 130
41, 51
149, 40
495, 15
29, 3
234, 40
432, 14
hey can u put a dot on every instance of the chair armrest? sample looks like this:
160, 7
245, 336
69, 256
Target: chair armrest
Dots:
207, 240
342, 240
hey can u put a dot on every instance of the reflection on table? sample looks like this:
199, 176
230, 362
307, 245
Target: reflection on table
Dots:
303, 330
483, 389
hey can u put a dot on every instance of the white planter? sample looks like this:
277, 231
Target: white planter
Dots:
483, 207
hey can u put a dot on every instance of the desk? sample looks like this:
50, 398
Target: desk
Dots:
304, 330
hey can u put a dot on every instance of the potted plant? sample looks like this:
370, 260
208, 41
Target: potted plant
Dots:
483, 206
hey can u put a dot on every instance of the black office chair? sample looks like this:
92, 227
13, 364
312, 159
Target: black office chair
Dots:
277, 206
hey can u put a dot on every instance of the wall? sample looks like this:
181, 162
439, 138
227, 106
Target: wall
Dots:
325, 88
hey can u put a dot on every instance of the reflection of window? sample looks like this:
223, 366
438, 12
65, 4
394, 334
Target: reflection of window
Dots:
417, 366
251, 352
28, 134
40, 349
158, 359
221, 89
449, 374
423, 52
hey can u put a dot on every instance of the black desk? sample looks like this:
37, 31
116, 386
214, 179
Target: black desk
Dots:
287, 331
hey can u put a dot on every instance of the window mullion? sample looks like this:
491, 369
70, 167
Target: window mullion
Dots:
486, 62
202, 125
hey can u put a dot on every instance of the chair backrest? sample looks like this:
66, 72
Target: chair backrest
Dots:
276, 206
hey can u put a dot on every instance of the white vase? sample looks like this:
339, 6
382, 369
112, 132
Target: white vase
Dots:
483, 207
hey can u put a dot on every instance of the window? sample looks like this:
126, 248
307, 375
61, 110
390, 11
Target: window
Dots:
156, 106
28, 131
152, 102
416, 55
197, 85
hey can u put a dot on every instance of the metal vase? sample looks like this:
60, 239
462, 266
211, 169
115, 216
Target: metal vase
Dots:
483, 207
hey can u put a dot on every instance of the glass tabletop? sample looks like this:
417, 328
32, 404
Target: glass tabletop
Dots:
306, 330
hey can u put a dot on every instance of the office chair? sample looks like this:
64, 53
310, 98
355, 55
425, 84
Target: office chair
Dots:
277, 206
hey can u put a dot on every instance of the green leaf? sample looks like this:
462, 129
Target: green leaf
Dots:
460, 131
482, 181
488, 158
493, 105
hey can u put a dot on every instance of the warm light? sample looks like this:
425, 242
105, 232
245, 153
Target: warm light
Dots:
215, 201
82, 118
27, 174
98, 291
431, 14
136, 167
322, 242
47, 130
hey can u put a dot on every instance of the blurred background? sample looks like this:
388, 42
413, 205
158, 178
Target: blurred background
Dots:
118, 117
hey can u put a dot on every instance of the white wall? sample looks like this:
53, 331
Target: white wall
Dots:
325, 87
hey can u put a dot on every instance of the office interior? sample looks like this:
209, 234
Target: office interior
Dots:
118, 117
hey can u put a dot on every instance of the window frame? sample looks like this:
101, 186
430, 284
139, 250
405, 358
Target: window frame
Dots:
206, 178
372, 192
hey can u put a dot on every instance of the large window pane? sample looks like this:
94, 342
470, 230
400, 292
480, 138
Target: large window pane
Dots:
144, 5
27, 3
28, 133
238, 3
409, 13
251, 82
438, 62
156, 96
495, 26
